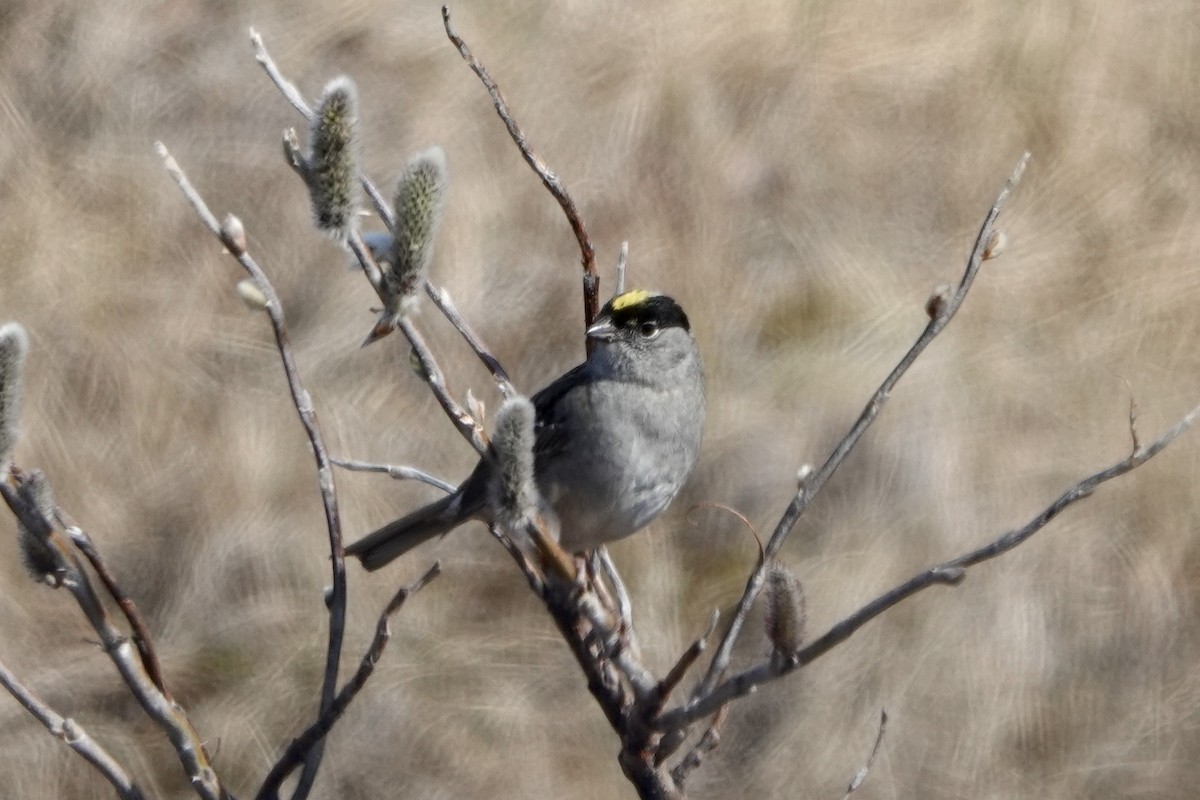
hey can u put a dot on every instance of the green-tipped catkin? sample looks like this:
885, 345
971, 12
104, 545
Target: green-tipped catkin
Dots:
514, 495
40, 559
786, 612
331, 167
14, 346
420, 200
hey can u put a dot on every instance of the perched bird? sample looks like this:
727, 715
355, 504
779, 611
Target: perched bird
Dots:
614, 439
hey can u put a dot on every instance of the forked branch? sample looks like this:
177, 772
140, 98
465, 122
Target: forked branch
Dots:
808, 490
951, 572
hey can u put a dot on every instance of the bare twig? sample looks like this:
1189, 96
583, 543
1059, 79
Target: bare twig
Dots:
137, 623
441, 299
298, 750
622, 263
308, 419
591, 281
948, 573
397, 471
812, 484
668, 684
165, 713
470, 428
73, 736
865, 769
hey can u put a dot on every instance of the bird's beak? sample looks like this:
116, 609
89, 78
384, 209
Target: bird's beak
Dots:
602, 330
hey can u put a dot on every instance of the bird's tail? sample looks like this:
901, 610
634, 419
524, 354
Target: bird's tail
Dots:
397, 538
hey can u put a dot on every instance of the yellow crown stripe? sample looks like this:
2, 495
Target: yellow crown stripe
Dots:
632, 298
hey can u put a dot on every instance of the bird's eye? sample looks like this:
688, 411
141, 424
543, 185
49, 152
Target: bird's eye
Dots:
649, 329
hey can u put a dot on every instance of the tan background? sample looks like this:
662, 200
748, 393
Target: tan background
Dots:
800, 176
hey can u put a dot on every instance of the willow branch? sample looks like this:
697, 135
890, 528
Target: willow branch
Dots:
587, 254
303, 744
164, 712
308, 419
73, 736
397, 471
137, 623
441, 299
813, 483
948, 573
470, 428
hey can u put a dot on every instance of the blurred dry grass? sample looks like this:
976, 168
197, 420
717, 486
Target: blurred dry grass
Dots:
800, 176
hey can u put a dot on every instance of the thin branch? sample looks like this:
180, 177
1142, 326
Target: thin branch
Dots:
591, 281
73, 736
622, 263
300, 747
137, 623
165, 713
397, 471
470, 428
813, 483
441, 299
863, 771
948, 573
308, 419
689, 657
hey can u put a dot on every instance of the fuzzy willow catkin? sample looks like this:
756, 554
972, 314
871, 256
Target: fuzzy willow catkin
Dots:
419, 202
40, 559
514, 494
14, 346
786, 612
331, 165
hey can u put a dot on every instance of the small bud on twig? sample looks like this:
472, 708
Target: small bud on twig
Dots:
331, 167
39, 557
935, 306
233, 235
786, 612
14, 346
251, 295
995, 245
802, 475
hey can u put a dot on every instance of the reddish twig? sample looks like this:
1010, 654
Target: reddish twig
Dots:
137, 623
587, 254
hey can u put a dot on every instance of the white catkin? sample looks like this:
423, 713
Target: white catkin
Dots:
514, 494
14, 347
